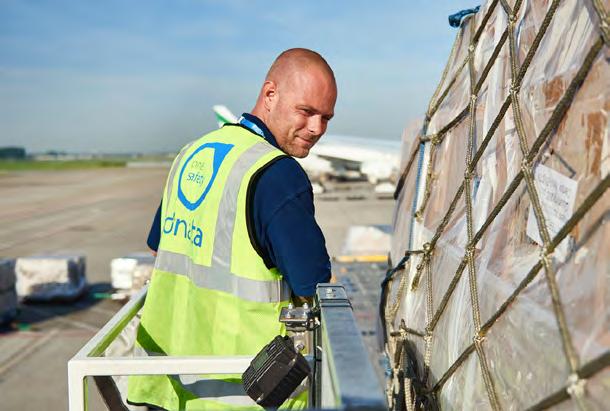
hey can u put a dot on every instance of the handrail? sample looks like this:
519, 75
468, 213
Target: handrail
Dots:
89, 362
343, 375
104, 337
345, 378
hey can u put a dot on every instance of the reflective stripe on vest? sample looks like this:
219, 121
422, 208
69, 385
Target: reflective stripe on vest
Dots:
218, 278
220, 390
227, 392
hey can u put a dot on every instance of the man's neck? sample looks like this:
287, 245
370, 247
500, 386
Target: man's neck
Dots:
268, 135
261, 114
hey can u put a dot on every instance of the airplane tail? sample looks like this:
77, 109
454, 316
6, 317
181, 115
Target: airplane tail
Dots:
223, 115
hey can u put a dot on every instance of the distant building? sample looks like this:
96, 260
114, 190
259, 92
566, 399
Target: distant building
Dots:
12, 153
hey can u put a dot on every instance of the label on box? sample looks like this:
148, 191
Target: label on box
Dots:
557, 194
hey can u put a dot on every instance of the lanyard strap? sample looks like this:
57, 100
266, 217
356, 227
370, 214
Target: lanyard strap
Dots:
247, 123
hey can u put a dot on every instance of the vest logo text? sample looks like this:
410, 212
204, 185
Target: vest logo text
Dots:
199, 172
181, 228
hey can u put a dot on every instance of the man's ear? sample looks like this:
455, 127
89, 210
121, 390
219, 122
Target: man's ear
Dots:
269, 94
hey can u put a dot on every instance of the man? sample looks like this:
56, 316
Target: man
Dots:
238, 237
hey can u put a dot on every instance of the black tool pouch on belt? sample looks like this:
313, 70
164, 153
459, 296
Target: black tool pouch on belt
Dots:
275, 373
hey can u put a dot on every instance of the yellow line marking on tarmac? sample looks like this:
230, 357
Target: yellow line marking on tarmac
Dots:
361, 258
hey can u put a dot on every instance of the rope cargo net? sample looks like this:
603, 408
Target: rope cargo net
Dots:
499, 298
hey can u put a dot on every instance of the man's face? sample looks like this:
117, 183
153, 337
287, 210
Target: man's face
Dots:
300, 108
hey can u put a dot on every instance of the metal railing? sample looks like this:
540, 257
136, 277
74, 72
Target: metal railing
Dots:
342, 378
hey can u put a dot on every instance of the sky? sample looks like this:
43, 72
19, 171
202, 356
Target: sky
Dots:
142, 76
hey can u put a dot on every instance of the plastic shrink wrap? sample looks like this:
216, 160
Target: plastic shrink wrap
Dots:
8, 295
131, 273
50, 277
493, 309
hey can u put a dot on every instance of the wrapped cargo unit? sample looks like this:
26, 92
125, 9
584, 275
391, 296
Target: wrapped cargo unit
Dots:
45, 278
8, 294
499, 291
130, 273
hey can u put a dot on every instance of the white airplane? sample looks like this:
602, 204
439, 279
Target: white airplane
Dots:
223, 115
344, 157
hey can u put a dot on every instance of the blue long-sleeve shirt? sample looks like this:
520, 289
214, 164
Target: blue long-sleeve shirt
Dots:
285, 228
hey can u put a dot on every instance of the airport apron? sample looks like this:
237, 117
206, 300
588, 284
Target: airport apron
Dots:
210, 293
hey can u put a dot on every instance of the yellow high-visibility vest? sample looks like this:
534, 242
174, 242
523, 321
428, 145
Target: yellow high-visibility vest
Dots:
210, 292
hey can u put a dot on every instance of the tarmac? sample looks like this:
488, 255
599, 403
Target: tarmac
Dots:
104, 214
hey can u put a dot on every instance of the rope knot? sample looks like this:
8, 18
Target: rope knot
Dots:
396, 333
576, 386
467, 174
418, 215
428, 337
514, 88
473, 98
471, 48
478, 338
545, 256
415, 284
435, 139
526, 165
427, 248
470, 251
402, 333
512, 18
419, 268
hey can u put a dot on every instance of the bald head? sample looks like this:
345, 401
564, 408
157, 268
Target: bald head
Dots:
297, 60
297, 100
